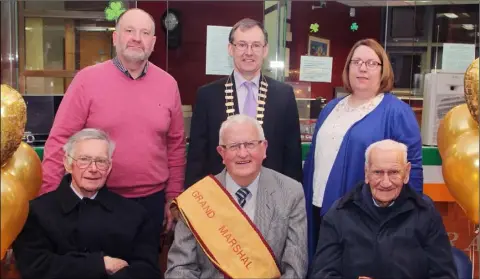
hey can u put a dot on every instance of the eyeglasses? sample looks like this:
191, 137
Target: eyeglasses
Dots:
84, 162
392, 174
249, 145
243, 46
370, 64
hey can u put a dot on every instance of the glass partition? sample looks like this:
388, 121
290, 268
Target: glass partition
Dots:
58, 38
9, 55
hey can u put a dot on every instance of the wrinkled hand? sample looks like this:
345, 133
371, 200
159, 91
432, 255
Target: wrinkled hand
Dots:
112, 265
168, 219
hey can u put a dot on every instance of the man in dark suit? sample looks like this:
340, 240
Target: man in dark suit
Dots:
81, 229
245, 91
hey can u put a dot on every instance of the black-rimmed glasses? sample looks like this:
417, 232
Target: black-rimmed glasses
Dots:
243, 46
370, 64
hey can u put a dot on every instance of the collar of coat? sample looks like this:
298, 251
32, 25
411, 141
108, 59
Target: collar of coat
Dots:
356, 196
69, 200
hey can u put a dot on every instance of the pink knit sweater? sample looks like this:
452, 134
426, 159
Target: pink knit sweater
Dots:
143, 117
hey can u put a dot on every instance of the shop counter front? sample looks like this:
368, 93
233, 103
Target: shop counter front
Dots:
432, 172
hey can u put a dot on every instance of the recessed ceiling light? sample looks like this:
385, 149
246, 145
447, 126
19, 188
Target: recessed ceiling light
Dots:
450, 15
468, 26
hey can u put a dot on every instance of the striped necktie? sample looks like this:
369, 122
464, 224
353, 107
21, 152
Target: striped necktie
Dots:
242, 194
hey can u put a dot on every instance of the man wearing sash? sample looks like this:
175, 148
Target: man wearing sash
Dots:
246, 222
248, 91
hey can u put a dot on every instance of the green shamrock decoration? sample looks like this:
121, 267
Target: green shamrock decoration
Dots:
114, 10
314, 27
354, 27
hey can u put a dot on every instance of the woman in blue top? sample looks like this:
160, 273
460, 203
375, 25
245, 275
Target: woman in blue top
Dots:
348, 125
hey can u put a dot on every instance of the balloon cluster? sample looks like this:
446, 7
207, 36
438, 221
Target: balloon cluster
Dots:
21, 170
458, 144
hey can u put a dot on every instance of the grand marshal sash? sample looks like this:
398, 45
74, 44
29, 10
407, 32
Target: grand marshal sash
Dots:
225, 233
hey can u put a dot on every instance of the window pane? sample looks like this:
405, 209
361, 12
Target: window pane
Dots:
44, 45
456, 24
66, 44
44, 86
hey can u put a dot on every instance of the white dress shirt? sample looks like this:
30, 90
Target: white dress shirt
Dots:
242, 90
330, 138
80, 195
249, 207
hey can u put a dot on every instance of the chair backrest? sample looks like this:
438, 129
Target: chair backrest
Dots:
463, 264
461, 260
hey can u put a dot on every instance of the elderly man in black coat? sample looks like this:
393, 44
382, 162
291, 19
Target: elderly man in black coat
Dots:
383, 229
82, 230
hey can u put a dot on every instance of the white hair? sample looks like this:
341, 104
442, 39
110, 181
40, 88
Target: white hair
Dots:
237, 120
87, 134
387, 145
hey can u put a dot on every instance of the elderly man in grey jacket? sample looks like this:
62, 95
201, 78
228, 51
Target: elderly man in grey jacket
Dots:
246, 222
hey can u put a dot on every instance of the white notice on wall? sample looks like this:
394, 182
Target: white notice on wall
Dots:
457, 57
218, 61
316, 68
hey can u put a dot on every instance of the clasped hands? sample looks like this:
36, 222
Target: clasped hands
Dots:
112, 265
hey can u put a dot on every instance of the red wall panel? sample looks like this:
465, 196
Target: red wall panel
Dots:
187, 63
334, 24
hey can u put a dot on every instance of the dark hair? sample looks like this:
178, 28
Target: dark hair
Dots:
245, 24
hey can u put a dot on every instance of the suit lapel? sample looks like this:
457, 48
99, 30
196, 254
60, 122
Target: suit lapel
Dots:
268, 107
269, 125
264, 204
235, 97
221, 177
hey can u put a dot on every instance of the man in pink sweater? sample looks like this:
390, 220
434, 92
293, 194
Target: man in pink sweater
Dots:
139, 106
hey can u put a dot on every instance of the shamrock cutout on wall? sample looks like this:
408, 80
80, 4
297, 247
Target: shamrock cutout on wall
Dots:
314, 27
114, 10
354, 27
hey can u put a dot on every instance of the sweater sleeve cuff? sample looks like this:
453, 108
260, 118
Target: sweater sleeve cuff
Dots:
171, 195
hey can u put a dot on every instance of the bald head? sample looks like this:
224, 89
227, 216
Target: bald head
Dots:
134, 37
386, 145
386, 170
136, 14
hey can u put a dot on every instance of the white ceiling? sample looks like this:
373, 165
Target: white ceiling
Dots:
391, 3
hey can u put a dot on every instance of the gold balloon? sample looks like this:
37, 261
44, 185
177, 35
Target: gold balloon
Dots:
14, 210
460, 172
471, 88
13, 121
456, 122
26, 167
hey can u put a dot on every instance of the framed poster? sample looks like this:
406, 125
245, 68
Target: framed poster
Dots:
318, 46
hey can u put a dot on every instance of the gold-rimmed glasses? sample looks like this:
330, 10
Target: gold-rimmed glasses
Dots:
249, 145
84, 162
